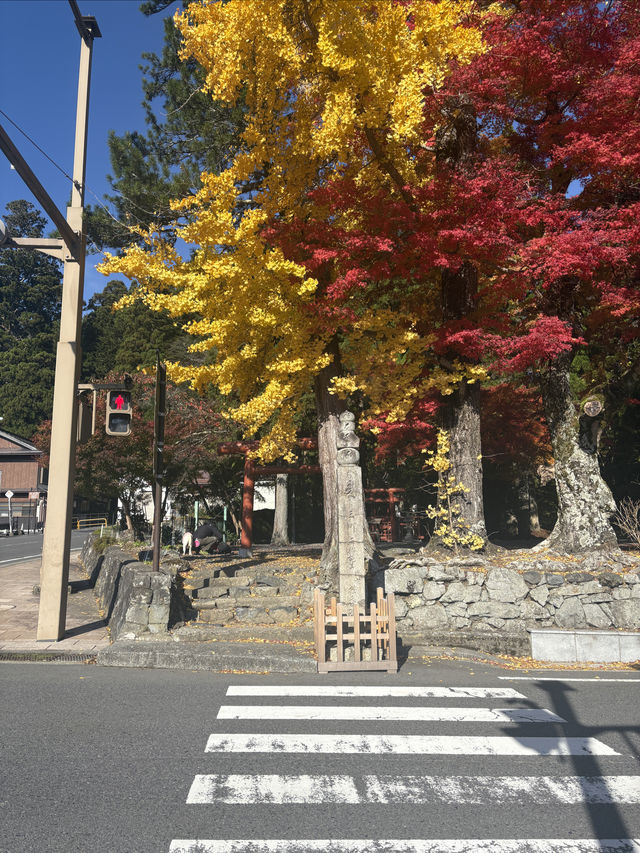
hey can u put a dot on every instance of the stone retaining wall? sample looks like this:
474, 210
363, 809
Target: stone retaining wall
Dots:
471, 597
134, 600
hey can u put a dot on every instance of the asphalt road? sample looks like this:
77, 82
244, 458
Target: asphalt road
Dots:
99, 759
13, 549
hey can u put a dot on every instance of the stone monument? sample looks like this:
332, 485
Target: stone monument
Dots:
351, 553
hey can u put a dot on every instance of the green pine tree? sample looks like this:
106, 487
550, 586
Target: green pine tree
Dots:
30, 291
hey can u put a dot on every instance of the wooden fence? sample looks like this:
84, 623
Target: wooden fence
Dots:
362, 641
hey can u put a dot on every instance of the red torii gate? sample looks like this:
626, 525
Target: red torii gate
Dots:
251, 472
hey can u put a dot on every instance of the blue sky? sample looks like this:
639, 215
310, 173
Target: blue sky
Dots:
39, 54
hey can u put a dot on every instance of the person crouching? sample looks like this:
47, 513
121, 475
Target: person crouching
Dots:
207, 536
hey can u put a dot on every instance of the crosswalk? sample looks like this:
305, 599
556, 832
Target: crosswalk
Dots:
521, 732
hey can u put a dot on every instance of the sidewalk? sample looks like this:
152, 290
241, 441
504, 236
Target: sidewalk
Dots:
86, 632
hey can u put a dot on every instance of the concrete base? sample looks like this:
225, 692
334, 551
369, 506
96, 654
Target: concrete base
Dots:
490, 642
554, 644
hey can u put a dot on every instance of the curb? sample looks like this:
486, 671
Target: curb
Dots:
213, 656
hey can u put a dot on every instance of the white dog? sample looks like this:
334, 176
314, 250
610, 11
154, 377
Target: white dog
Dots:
187, 542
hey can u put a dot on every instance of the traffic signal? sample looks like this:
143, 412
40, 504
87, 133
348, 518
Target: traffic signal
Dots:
86, 418
118, 420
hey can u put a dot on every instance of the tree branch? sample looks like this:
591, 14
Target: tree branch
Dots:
386, 164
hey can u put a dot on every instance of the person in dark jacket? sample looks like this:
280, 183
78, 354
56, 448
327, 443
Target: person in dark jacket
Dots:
206, 536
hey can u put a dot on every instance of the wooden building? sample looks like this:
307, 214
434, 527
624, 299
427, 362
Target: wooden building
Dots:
24, 477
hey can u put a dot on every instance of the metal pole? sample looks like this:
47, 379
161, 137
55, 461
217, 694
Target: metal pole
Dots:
158, 468
54, 572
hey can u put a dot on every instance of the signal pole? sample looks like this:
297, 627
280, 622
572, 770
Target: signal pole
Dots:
158, 459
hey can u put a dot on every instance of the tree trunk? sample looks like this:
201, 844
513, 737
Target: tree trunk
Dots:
280, 534
534, 518
234, 521
456, 142
526, 511
461, 419
126, 508
585, 502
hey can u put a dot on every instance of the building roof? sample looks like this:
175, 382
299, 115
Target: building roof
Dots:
14, 445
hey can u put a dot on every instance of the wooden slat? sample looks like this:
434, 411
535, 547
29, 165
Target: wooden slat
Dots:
340, 647
356, 632
374, 633
347, 618
322, 636
393, 652
316, 621
382, 619
347, 637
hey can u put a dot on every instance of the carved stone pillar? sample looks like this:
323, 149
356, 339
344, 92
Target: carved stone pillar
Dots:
351, 550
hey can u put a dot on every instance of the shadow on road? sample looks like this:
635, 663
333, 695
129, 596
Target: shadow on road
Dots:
606, 819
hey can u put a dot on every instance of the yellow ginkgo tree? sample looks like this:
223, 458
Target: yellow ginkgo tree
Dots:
332, 89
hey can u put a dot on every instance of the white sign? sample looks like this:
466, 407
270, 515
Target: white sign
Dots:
8, 494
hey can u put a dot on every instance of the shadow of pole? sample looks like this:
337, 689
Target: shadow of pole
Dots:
606, 819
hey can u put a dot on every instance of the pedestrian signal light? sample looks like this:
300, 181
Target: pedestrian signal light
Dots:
118, 420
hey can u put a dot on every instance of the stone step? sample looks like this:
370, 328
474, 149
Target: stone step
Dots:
274, 613
256, 579
250, 615
267, 571
246, 601
216, 616
218, 590
235, 591
237, 632
205, 581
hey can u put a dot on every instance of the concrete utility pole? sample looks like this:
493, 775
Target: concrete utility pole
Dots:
54, 573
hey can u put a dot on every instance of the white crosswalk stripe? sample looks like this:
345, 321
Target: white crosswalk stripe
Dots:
265, 789
408, 744
461, 790
369, 691
593, 679
372, 714
394, 845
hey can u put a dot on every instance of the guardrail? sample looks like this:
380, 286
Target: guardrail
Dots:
84, 523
